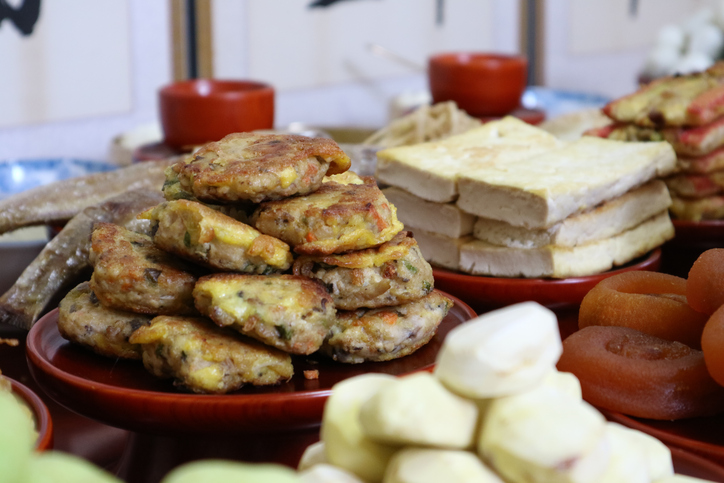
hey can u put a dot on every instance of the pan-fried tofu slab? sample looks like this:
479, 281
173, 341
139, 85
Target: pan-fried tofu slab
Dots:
198, 233
258, 167
334, 219
288, 312
208, 359
130, 273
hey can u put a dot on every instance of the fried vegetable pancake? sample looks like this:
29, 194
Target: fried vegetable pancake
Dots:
132, 274
390, 274
334, 219
196, 232
288, 312
386, 333
259, 167
207, 359
83, 320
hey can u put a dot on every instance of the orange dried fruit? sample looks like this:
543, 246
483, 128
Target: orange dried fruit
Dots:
705, 285
712, 341
651, 302
624, 370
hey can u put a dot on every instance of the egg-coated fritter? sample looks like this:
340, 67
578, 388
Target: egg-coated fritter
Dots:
390, 274
285, 311
83, 320
386, 333
130, 273
334, 219
208, 359
258, 167
196, 232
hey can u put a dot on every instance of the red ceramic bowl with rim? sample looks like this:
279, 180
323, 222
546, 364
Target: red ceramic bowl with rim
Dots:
483, 84
198, 111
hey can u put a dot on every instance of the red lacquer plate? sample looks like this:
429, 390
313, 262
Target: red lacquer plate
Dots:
487, 293
698, 232
689, 464
703, 436
122, 393
43, 421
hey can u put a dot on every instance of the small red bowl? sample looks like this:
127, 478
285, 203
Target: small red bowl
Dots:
481, 84
43, 422
198, 111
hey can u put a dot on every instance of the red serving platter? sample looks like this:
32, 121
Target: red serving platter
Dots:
122, 393
43, 421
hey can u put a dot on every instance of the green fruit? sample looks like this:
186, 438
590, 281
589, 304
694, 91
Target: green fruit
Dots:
213, 471
59, 467
17, 439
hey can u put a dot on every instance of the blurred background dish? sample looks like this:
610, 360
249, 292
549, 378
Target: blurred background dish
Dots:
482, 84
198, 111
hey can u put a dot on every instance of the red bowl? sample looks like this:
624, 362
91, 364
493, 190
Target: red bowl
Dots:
43, 422
481, 84
198, 111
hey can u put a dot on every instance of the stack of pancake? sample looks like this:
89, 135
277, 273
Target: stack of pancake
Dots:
688, 112
206, 298
510, 200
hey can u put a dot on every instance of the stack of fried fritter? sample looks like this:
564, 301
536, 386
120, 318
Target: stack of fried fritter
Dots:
688, 112
206, 300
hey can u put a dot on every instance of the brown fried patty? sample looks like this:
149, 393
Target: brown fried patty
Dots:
334, 219
83, 320
258, 167
130, 273
208, 359
390, 274
386, 333
196, 232
285, 311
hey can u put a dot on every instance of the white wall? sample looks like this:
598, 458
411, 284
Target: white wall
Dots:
88, 134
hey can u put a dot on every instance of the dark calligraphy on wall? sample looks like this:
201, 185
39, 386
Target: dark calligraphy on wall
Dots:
23, 17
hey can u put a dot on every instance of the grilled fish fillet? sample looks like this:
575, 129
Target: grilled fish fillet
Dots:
64, 199
66, 255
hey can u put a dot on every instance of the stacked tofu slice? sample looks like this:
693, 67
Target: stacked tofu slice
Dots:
688, 112
510, 200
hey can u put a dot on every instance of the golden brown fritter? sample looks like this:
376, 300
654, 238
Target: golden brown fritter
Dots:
285, 311
386, 333
83, 320
258, 167
390, 274
130, 273
334, 219
208, 359
196, 232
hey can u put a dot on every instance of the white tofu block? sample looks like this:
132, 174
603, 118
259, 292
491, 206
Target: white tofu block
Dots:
419, 465
324, 473
314, 454
502, 352
419, 410
539, 191
606, 220
441, 250
441, 218
657, 455
480, 258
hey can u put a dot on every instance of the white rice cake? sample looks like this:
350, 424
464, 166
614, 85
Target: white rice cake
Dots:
442, 218
441, 250
539, 191
431, 170
608, 219
481, 258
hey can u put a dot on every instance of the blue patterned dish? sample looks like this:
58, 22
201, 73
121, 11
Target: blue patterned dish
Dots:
556, 102
18, 175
